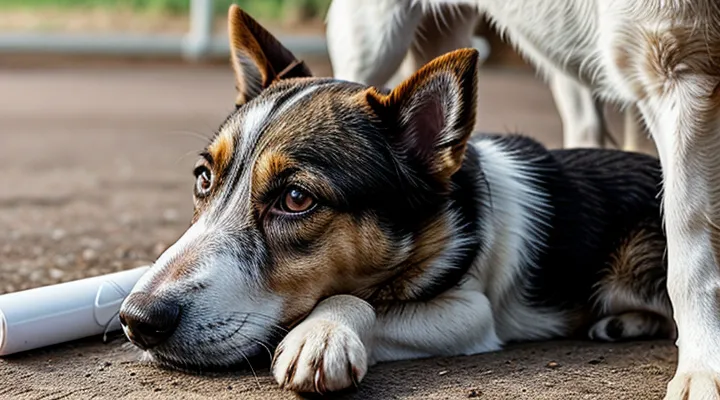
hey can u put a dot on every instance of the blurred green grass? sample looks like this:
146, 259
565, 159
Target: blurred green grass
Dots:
268, 9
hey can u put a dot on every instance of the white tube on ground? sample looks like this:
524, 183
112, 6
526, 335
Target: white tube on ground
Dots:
49, 315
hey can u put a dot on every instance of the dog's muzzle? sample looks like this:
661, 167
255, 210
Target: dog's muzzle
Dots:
149, 320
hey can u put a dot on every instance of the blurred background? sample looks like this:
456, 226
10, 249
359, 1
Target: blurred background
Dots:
104, 105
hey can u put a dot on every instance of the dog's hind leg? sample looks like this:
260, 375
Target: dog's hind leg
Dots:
631, 325
581, 114
635, 135
631, 298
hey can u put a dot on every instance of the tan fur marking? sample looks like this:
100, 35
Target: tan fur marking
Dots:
221, 150
639, 250
269, 165
426, 247
349, 255
635, 272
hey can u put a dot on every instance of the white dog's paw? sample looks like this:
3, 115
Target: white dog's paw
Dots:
320, 356
698, 385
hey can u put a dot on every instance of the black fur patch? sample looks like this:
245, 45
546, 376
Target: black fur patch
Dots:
468, 196
597, 198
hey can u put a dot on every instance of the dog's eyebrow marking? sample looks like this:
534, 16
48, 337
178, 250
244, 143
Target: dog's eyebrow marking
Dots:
220, 151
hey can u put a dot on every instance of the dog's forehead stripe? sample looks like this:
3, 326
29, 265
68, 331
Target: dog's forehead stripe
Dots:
247, 128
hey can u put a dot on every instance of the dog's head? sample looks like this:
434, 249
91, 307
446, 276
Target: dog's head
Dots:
312, 187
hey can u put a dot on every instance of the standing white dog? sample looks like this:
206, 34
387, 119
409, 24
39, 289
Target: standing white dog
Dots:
441, 29
662, 56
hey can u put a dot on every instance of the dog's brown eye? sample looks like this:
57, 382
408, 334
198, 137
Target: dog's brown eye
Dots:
296, 200
203, 182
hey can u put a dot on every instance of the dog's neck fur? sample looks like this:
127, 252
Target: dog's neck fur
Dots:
441, 253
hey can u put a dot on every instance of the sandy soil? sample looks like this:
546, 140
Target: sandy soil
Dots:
95, 166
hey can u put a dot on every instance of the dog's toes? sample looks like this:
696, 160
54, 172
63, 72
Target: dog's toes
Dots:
320, 356
699, 385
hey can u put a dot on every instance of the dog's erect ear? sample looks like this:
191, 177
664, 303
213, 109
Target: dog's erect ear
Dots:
432, 113
257, 57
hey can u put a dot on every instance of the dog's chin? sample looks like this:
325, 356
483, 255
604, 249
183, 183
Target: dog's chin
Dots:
198, 362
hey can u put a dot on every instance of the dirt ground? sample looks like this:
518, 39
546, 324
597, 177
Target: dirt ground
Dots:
95, 167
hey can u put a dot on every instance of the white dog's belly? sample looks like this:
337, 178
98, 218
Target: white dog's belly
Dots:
553, 34
588, 40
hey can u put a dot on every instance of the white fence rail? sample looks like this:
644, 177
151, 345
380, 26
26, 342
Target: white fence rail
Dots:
198, 43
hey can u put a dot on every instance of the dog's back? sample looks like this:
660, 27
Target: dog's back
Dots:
602, 253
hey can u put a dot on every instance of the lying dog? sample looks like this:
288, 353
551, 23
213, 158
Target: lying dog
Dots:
373, 225
661, 56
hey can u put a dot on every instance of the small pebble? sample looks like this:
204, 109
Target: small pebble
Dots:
443, 372
36, 276
89, 255
552, 364
56, 273
57, 234
474, 393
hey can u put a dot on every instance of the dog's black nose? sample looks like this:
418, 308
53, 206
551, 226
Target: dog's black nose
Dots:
149, 320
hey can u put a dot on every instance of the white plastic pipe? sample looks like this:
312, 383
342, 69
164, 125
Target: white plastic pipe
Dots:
60, 313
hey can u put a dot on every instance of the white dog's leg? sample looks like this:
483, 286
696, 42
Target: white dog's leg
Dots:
635, 135
458, 322
581, 115
328, 351
367, 40
683, 114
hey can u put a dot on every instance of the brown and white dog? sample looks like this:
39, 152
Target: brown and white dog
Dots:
372, 226
661, 56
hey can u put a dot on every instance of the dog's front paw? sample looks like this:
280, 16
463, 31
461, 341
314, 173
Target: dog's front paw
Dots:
699, 385
320, 356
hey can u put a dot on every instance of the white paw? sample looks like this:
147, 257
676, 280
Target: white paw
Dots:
320, 356
699, 385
